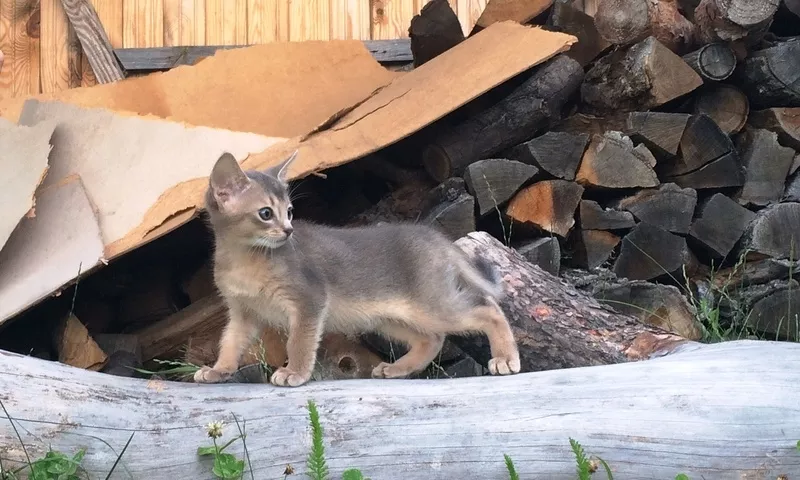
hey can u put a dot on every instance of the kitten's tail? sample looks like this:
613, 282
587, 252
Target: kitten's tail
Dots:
482, 275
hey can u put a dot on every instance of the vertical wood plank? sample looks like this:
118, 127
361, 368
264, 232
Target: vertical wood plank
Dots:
283, 20
309, 20
7, 47
193, 22
143, 23
110, 14
173, 13
226, 22
54, 54
23, 45
468, 13
262, 21
391, 18
350, 19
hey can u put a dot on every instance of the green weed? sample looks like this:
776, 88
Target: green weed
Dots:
512, 471
226, 465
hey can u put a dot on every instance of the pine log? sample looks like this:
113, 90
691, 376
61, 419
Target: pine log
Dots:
568, 19
719, 225
726, 171
594, 217
557, 153
713, 61
593, 248
454, 218
775, 232
544, 252
623, 22
669, 207
611, 161
663, 306
729, 20
555, 326
783, 121
641, 77
534, 105
772, 309
725, 104
548, 205
494, 181
771, 77
766, 166
636, 416
433, 31
649, 252
792, 193
702, 142
661, 132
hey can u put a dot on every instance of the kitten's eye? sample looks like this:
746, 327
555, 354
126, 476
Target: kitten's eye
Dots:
265, 214
290, 212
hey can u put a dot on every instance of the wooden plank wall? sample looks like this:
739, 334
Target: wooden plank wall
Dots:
43, 54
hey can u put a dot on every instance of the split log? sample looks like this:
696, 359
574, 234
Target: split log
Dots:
520, 11
534, 105
725, 104
792, 193
611, 161
766, 166
594, 217
719, 225
623, 22
649, 252
661, 132
729, 20
702, 142
669, 207
124, 354
494, 181
641, 77
713, 61
543, 252
770, 77
76, 347
557, 153
593, 125
568, 19
663, 306
454, 218
593, 248
772, 309
555, 325
775, 232
783, 121
754, 273
548, 205
602, 407
726, 171
433, 31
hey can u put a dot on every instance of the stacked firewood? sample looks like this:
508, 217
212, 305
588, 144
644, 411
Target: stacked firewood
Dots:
660, 149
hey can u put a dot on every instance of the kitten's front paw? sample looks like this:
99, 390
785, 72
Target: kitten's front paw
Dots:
209, 375
389, 370
504, 365
283, 377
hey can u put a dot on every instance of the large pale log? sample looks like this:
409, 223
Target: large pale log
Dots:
649, 419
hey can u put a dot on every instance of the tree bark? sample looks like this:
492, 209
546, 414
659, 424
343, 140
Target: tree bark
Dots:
623, 22
770, 77
635, 416
714, 61
434, 31
555, 325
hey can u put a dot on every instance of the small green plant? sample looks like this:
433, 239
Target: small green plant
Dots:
682, 476
587, 466
353, 474
181, 369
317, 468
226, 465
798, 445
57, 466
512, 471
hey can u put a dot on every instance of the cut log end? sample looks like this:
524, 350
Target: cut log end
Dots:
726, 105
622, 22
549, 205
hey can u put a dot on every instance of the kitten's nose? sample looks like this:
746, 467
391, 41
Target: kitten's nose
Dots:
288, 230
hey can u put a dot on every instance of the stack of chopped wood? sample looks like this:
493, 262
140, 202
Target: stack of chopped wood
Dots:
663, 145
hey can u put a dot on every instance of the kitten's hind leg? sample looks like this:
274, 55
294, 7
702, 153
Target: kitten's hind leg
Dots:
422, 350
491, 320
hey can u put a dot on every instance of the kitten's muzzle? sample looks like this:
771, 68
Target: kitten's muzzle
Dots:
288, 231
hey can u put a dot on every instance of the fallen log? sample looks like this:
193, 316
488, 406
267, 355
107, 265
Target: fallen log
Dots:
635, 416
534, 105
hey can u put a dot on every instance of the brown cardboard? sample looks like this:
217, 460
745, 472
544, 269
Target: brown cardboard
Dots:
279, 89
127, 162
23, 161
49, 250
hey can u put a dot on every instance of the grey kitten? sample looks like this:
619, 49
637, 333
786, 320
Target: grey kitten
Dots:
405, 281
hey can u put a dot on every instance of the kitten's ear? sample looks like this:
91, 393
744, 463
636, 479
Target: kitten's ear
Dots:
227, 179
281, 170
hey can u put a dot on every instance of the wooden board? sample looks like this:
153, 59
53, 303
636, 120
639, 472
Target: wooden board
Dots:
649, 419
391, 18
226, 22
143, 23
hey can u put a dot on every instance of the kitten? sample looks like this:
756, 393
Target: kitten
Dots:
405, 281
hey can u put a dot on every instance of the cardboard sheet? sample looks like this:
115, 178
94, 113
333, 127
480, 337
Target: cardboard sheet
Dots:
126, 162
48, 251
277, 89
407, 104
23, 161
